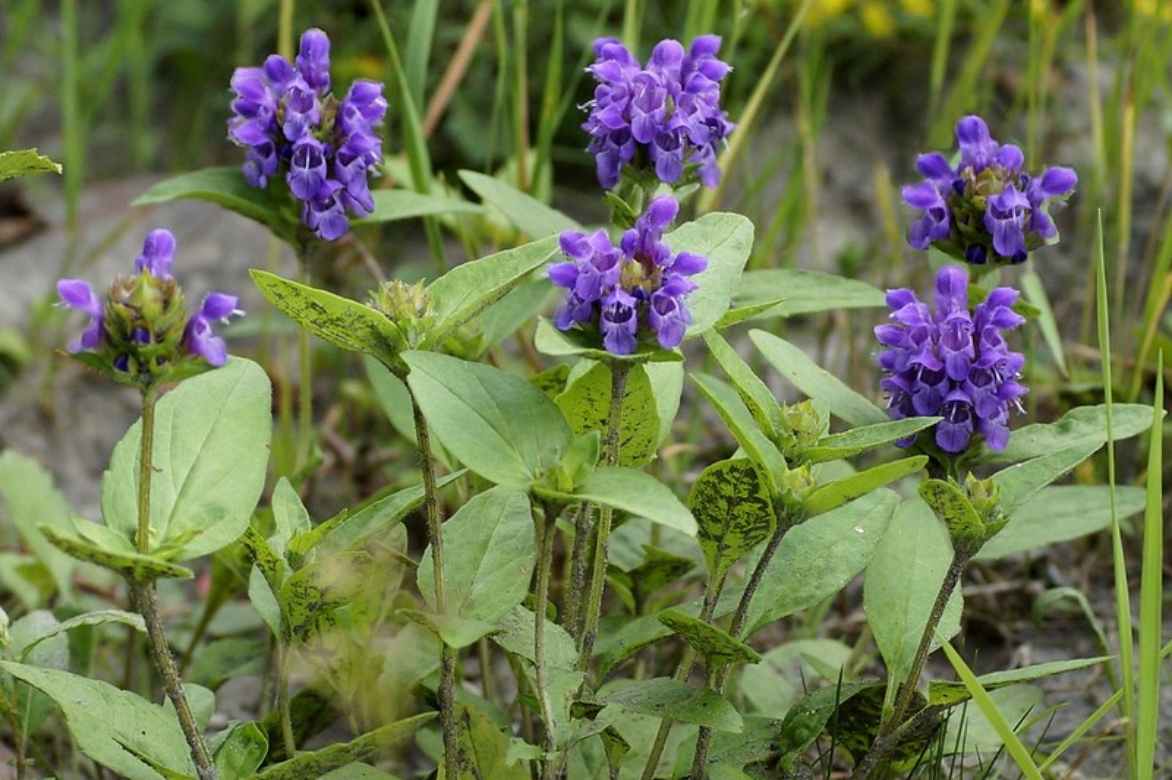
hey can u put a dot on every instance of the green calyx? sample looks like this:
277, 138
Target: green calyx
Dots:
972, 511
802, 427
144, 322
409, 307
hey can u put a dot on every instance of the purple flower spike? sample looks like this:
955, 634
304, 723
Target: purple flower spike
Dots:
669, 110
328, 150
199, 337
987, 209
636, 288
952, 363
158, 253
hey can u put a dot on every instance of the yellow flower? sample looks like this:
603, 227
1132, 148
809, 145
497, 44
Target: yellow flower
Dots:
877, 19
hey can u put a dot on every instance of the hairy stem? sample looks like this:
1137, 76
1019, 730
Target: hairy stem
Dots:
576, 585
610, 450
146, 600
283, 701
543, 531
717, 679
711, 597
452, 756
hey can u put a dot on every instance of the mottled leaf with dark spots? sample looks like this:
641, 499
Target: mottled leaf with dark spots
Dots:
586, 405
733, 509
664, 697
716, 645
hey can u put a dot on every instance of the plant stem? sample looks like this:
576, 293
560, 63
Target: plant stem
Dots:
610, 454
960, 559
453, 759
576, 587
711, 597
283, 713
146, 600
717, 679
543, 531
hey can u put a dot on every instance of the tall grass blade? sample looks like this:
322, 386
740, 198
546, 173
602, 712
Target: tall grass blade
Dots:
1122, 595
1151, 593
710, 199
1154, 305
418, 53
632, 19
945, 20
1123, 236
521, 93
74, 151
962, 97
1013, 745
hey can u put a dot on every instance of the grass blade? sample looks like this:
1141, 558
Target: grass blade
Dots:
1013, 745
1122, 596
1151, 591
418, 53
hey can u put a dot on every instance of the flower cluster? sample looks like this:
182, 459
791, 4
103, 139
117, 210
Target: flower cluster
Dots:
286, 117
953, 363
141, 326
641, 282
987, 207
669, 110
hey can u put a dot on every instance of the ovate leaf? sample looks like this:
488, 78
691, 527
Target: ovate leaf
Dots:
795, 291
211, 450
225, 187
488, 556
638, 494
531, 216
664, 697
1083, 426
731, 503
25, 162
714, 644
726, 240
496, 423
395, 205
345, 323
586, 406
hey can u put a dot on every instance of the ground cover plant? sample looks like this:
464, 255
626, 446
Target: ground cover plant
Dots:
544, 436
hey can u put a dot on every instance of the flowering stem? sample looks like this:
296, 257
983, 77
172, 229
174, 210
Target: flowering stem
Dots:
610, 450
717, 679
452, 756
576, 586
711, 597
283, 702
146, 600
907, 692
543, 530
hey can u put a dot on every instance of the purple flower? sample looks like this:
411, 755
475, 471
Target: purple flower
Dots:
951, 362
988, 208
286, 118
640, 285
669, 111
140, 326
199, 337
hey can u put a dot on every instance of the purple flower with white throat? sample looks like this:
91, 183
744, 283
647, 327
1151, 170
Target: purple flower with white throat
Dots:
665, 116
952, 362
139, 330
288, 120
638, 287
988, 208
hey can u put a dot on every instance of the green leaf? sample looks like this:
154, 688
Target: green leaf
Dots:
290, 517
485, 746
850, 443
951, 504
715, 645
226, 187
1035, 293
901, 584
1019, 483
988, 707
791, 291
453, 630
511, 313
395, 205
726, 239
489, 555
835, 494
586, 406
358, 771
816, 382
497, 424
468, 289
96, 618
515, 634
133, 566
239, 750
1151, 594
223, 659
775, 684
548, 340
345, 323
731, 502
731, 408
638, 494
25, 162
952, 693
664, 697
805, 721
529, 215
368, 747
211, 451
817, 558
31, 499
757, 397
1058, 514
1083, 426
110, 726
667, 385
